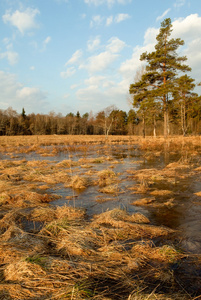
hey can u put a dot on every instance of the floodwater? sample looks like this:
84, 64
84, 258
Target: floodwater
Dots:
183, 215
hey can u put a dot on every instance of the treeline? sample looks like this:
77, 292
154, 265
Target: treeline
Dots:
108, 121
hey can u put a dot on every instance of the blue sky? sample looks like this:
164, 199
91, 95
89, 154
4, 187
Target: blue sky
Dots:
81, 55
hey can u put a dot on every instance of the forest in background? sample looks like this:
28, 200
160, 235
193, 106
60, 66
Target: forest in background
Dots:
108, 121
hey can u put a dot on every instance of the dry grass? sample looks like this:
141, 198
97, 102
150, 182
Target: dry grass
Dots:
161, 193
78, 182
106, 177
71, 258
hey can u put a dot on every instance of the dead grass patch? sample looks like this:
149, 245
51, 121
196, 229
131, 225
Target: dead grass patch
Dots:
178, 165
144, 201
106, 177
198, 194
78, 182
124, 226
161, 193
42, 214
110, 189
70, 213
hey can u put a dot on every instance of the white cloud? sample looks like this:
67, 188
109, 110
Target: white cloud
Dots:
115, 45
150, 36
32, 68
121, 17
163, 15
75, 58
14, 94
93, 44
9, 54
179, 3
109, 20
109, 3
95, 81
104, 91
66, 96
68, 73
47, 40
99, 20
187, 28
103, 60
96, 21
73, 86
23, 20
99, 62
60, 1
83, 16
25, 92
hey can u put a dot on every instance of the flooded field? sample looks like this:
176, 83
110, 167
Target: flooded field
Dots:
96, 218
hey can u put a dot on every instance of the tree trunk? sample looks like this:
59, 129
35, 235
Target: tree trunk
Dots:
154, 125
165, 119
143, 130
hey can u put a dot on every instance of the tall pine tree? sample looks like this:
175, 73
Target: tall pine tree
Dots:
162, 69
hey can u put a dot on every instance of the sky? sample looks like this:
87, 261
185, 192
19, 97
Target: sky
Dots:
66, 56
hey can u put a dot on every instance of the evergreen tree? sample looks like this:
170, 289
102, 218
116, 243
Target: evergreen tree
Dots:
23, 114
163, 66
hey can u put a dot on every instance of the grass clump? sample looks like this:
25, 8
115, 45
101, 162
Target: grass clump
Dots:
77, 182
161, 193
106, 177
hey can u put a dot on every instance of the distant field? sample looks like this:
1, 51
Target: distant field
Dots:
88, 139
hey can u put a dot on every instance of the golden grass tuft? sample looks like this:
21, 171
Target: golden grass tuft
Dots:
76, 241
70, 212
23, 271
42, 214
110, 189
144, 201
106, 177
5, 198
161, 193
139, 218
198, 194
78, 182
119, 225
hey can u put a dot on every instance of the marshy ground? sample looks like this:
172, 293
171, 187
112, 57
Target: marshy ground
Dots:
84, 217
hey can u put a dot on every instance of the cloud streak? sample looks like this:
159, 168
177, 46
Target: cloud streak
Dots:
159, 18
